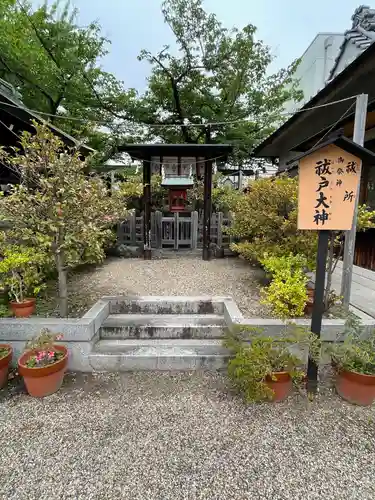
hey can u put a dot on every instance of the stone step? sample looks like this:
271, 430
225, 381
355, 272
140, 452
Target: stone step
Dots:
162, 320
205, 346
162, 331
158, 354
165, 305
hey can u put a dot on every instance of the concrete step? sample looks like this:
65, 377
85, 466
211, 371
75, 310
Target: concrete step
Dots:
158, 354
122, 326
160, 320
165, 305
162, 331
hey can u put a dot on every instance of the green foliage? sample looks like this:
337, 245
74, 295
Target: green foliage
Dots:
215, 75
357, 350
55, 65
287, 292
365, 218
223, 197
19, 270
256, 358
4, 351
266, 220
5, 312
132, 191
58, 209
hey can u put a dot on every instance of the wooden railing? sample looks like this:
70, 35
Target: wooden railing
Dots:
177, 231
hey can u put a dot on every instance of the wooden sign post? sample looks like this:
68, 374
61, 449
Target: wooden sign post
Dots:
329, 178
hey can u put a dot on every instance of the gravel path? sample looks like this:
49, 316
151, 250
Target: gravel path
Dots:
159, 436
174, 276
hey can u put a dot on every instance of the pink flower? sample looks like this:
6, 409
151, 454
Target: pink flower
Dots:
59, 337
51, 354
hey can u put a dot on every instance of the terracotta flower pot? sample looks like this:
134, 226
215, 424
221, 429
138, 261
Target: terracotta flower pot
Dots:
281, 387
355, 387
23, 309
4, 365
310, 301
45, 380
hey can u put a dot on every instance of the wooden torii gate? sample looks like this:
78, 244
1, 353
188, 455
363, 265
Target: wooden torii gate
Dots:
204, 154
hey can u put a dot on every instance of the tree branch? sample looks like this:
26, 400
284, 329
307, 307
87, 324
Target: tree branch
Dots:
177, 100
27, 80
38, 35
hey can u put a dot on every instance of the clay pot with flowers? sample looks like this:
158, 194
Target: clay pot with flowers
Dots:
5, 359
43, 364
20, 274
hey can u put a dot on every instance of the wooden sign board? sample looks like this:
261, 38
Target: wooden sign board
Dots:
328, 186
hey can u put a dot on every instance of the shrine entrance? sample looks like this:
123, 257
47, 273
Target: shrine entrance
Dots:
179, 166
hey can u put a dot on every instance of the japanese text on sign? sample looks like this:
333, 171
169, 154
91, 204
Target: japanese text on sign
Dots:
328, 184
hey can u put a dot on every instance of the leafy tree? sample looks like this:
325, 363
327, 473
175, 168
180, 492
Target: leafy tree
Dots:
223, 196
132, 191
54, 64
57, 208
216, 75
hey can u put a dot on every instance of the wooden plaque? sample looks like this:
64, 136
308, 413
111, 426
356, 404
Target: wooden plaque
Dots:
328, 186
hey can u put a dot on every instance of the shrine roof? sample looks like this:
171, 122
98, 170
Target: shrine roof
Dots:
344, 143
177, 181
145, 151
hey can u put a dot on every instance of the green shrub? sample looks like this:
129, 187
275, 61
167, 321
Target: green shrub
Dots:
357, 351
265, 219
287, 292
19, 270
255, 358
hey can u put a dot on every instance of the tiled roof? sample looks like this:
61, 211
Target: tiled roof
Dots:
362, 34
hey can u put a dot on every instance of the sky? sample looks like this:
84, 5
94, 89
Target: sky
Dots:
287, 26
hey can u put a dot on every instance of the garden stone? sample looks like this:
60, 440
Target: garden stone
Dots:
126, 251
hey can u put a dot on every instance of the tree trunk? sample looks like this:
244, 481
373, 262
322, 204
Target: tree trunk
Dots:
63, 284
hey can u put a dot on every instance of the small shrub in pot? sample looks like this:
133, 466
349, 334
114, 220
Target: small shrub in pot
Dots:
19, 272
263, 367
353, 360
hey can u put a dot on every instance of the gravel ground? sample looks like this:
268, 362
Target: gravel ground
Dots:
183, 275
161, 436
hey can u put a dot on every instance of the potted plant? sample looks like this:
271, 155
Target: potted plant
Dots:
19, 272
310, 292
263, 367
5, 359
43, 364
353, 360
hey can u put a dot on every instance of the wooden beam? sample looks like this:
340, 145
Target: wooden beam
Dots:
207, 209
147, 209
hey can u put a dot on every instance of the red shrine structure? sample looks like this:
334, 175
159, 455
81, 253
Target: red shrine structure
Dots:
179, 165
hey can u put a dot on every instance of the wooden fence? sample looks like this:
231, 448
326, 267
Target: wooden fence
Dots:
177, 231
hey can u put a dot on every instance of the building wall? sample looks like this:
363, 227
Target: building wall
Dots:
315, 66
